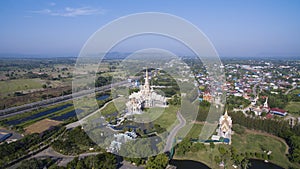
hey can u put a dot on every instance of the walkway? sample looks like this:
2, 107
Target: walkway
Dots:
65, 159
79, 122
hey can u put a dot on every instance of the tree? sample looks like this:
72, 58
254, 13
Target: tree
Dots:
158, 162
217, 160
137, 161
245, 164
211, 145
80, 164
183, 146
222, 150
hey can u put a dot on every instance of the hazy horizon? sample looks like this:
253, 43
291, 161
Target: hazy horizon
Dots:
235, 28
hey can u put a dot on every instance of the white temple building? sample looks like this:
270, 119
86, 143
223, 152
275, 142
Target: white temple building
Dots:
145, 98
224, 130
260, 109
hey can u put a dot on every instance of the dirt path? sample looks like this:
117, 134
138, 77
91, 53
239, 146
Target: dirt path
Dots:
270, 135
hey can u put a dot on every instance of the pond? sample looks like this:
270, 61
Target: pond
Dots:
255, 164
34, 116
67, 115
190, 164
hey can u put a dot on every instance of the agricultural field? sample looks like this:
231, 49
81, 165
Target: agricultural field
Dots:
11, 86
30, 80
41, 126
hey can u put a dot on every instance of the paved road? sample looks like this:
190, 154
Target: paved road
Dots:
254, 89
49, 152
173, 133
65, 159
32, 106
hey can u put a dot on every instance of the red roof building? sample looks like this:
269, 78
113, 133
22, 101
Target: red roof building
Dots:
278, 111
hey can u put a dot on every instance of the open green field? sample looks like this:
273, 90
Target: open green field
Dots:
118, 105
194, 131
19, 84
167, 118
247, 142
257, 143
149, 115
109, 109
293, 107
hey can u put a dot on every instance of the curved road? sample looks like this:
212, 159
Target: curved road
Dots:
287, 92
50, 152
173, 133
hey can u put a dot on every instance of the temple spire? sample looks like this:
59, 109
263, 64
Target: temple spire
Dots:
226, 114
266, 103
147, 79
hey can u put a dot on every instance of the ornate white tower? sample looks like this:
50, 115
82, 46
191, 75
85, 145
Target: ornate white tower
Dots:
145, 89
225, 125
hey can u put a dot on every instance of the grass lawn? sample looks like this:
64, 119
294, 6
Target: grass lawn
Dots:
190, 131
247, 142
293, 107
19, 84
118, 105
149, 115
167, 118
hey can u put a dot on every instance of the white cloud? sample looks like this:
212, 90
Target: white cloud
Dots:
44, 11
71, 12
52, 3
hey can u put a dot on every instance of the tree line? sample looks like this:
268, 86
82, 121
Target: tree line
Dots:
15, 150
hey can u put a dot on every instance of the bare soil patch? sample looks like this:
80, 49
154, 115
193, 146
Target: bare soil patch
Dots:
41, 126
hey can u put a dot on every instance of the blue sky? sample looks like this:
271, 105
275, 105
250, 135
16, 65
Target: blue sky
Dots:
236, 28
